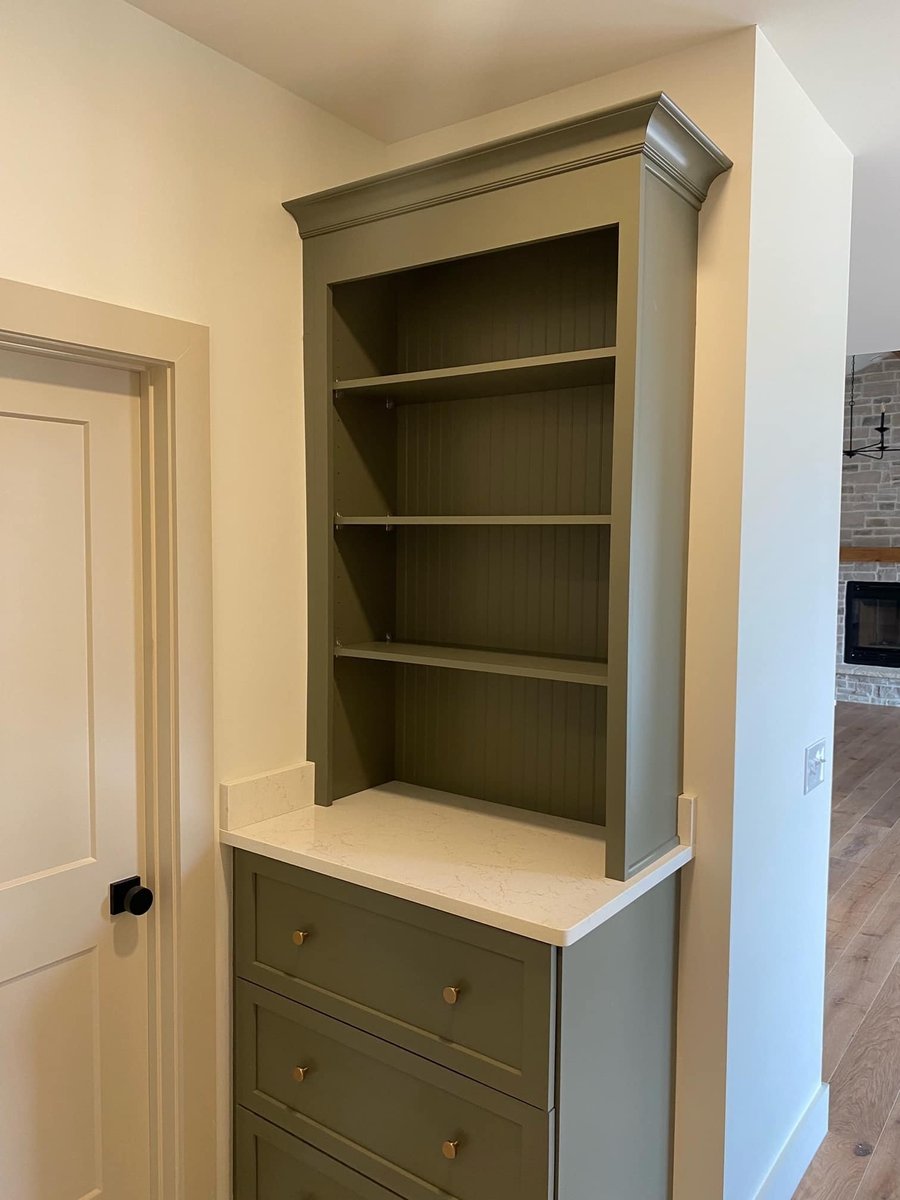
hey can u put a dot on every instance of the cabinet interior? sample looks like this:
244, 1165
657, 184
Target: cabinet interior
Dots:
472, 455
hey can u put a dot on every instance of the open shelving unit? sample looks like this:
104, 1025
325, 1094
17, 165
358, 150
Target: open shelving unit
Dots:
471, 582
498, 397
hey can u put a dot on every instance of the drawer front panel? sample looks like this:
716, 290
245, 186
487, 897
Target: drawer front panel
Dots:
272, 1165
385, 1112
384, 965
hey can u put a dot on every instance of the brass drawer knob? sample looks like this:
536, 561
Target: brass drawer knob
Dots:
450, 1149
299, 1074
299, 937
450, 994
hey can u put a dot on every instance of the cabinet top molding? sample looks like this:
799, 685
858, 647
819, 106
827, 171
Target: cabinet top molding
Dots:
655, 127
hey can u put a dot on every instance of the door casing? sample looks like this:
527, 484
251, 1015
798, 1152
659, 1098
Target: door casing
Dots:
172, 360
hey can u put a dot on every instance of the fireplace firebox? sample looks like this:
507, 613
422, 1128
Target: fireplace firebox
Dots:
872, 627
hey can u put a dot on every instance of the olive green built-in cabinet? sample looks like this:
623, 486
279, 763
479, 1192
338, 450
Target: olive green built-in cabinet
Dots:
498, 353
498, 364
383, 1049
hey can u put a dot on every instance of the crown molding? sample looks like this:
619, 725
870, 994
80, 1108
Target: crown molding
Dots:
672, 145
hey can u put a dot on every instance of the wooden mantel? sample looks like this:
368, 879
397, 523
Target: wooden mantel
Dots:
870, 554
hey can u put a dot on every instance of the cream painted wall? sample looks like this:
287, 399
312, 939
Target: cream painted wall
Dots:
144, 169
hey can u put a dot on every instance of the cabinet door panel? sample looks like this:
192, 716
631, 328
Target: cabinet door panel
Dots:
404, 1122
389, 967
272, 1165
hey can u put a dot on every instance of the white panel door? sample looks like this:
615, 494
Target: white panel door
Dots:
74, 1034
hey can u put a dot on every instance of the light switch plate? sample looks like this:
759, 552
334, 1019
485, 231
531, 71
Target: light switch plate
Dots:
814, 766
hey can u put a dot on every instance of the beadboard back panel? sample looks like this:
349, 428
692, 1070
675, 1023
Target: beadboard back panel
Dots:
529, 589
545, 298
531, 743
539, 453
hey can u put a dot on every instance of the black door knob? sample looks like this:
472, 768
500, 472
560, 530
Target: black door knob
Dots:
129, 895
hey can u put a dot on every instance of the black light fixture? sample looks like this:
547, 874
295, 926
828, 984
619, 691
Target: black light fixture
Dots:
876, 450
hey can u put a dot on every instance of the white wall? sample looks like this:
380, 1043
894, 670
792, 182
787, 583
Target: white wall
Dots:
143, 169
771, 316
799, 266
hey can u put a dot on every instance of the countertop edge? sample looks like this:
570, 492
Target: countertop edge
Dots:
647, 879
662, 869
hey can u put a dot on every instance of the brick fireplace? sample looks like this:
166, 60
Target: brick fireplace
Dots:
870, 523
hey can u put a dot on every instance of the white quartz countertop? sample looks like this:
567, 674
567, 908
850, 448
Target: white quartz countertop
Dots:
539, 876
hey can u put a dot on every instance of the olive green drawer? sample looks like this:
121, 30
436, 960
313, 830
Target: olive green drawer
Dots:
270, 1164
383, 964
383, 1111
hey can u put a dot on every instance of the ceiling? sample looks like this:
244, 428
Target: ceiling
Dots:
401, 67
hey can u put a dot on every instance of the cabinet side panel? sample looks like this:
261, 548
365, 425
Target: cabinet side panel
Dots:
615, 1054
363, 726
664, 376
364, 328
365, 457
245, 1161
317, 401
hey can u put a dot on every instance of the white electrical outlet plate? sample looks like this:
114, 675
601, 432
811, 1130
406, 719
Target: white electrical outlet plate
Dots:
814, 766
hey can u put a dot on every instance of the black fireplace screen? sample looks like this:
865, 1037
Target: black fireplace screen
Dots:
872, 630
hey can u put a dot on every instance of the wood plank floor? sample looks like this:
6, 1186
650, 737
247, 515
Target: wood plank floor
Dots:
860, 1158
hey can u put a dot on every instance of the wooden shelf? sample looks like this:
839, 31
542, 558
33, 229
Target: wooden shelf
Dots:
544, 372
515, 519
870, 554
491, 662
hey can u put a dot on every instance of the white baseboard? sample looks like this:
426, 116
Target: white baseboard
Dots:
798, 1151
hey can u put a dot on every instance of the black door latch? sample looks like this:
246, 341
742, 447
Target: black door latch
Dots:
129, 895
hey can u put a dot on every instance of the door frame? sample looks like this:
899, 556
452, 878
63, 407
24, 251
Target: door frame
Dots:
182, 865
